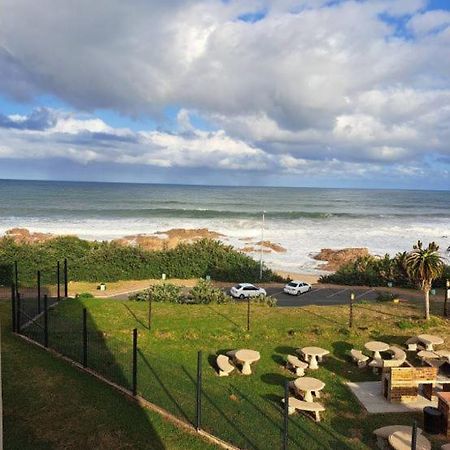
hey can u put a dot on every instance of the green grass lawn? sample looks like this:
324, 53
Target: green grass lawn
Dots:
48, 404
243, 410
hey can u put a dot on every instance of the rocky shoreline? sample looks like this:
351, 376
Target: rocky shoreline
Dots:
332, 259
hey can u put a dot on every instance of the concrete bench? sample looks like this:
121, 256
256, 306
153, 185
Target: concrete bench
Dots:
294, 363
382, 434
310, 407
224, 365
411, 343
359, 358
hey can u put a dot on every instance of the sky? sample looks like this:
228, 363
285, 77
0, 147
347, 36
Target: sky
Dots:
317, 93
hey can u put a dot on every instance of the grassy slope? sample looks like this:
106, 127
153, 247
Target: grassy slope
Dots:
246, 410
50, 405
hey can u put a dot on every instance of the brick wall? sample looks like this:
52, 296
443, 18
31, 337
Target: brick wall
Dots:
444, 406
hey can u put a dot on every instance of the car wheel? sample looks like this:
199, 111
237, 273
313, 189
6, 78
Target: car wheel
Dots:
242, 296
310, 288
298, 292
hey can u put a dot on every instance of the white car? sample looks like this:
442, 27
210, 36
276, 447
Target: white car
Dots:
297, 288
245, 290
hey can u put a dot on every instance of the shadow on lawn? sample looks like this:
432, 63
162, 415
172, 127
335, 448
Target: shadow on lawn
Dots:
237, 325
109, 358
223, 416
136, 318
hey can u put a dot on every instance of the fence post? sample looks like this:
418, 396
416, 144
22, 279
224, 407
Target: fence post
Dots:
13, 306
248, 313
45, 321
286, 416
19, 318
16, 276
39, 291
350, 321
414, 436
66, 289
58, 280
84, 337
199, 391
135, 336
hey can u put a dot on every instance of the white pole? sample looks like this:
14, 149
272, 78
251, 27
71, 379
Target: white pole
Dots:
262, 247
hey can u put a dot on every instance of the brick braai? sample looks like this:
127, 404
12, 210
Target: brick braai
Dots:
444, 406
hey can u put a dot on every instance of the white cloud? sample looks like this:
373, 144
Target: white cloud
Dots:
307, 84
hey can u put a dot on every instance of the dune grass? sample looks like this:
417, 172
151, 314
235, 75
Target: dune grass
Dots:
244, 410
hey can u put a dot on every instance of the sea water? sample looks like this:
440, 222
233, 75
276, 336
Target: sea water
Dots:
302, 220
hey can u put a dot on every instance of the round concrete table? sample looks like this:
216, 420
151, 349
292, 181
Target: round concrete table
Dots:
376, 347
309, 385
247, 357
445, 354
429, 340
402, 441
311, 355
426, 354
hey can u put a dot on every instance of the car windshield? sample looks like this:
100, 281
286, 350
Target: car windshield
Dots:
238, 286
292, 284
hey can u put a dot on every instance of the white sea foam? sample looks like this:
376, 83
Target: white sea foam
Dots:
301, 238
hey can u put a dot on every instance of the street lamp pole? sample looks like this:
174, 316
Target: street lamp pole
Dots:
262, 247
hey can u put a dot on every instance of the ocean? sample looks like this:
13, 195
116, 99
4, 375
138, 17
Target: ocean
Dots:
302, 220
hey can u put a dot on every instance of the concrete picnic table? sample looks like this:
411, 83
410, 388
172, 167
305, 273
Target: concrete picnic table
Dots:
400, 440
247, 357
308, 385
376, 347
426, 354
313, 353
429, 340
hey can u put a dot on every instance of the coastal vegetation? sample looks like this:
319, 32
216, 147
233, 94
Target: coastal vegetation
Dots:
112, 261
423, 265
369, 270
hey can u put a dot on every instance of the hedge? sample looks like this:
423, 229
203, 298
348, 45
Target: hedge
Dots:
108, 261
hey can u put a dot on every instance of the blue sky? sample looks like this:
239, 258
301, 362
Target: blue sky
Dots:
300, 93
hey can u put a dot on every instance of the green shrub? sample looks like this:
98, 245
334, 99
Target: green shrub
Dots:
375, 271
110, 261
386, 297
204, 292
264, 300
166, 292
141, 296
84, 295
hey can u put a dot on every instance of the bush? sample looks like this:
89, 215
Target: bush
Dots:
84, 295
264, 300
375, 271
141, 296
167, 293
204, 292
386, 297
110, 261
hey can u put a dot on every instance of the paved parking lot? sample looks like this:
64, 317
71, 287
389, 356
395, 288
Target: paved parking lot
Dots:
322, 295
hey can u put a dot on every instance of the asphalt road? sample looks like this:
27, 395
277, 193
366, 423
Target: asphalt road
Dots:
322, 296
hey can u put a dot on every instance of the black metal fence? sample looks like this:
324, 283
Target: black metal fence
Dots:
178, 386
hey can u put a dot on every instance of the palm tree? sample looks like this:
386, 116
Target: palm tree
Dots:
423, 266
